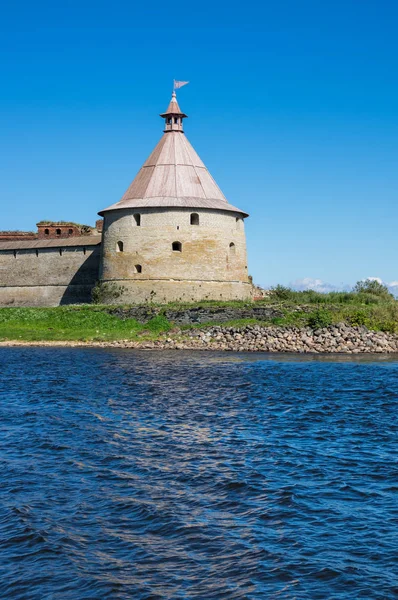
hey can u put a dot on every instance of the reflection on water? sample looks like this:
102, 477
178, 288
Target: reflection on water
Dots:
153, 475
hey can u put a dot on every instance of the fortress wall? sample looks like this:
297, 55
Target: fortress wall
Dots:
206, 254
45, 295
162, 291
48, 276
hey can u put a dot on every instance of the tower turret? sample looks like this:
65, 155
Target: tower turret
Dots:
173, 116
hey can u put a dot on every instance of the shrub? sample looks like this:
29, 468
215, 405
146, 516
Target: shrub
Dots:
320, 318
389, 326
158, 324
360, 317
371, 286
281, 292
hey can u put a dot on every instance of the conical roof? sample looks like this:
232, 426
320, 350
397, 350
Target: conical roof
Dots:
174, 176
173, 108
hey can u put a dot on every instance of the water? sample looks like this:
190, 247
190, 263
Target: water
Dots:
178, 475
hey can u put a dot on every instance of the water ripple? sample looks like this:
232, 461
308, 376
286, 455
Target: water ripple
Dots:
165, 475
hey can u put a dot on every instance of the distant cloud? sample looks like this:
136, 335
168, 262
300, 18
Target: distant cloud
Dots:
393, 287
318, 285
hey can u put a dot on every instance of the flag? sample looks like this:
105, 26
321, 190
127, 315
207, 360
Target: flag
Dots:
179, 84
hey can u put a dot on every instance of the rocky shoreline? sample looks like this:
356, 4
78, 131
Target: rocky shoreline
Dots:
335, 339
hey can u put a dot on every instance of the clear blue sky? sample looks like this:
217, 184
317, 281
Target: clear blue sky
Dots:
293, 107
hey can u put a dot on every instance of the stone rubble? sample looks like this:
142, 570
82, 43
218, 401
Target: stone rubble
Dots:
339, 338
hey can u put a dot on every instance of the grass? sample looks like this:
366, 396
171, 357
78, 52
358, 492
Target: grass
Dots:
74, 323
377, 311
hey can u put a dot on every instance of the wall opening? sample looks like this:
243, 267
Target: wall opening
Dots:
37, 253
46, 232
70, 231
137, 219
194, 219
232, 248
137, 269
177, 247
15, 254
58, 231
119, 247
60, 251
84, 250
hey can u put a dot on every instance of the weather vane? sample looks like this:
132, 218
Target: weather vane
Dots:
178, 84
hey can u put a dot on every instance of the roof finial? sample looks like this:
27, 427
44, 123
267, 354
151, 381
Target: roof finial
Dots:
174, 115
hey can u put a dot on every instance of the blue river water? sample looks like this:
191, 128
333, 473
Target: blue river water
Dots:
178, 475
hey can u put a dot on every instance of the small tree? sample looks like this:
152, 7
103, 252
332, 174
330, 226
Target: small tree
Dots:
372, 286
281, 292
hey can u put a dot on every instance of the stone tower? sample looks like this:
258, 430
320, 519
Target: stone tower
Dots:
173, 235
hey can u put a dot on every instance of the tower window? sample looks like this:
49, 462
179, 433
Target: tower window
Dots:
58, 231
46, 232
137, 219
119, 247
194, 219
177, 247
169, 121
137, 269
232, 248
70, 231
176, 120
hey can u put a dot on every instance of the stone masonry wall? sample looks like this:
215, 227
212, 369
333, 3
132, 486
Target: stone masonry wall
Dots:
162, 292
212, 263
48, 276
198, 314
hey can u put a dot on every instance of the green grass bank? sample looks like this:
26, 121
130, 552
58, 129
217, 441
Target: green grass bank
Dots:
369, 304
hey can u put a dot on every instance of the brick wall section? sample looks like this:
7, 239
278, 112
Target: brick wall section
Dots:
53, 231
17, 236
